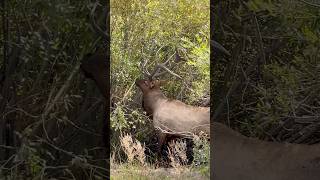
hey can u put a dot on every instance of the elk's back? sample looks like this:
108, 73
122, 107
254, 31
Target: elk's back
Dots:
177, 117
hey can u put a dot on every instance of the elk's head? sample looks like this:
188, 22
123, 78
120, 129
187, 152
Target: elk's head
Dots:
147, 85
150, 87
150, 83
96, 67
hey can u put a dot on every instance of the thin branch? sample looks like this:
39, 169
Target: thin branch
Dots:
311, 4
95, 26
168, 70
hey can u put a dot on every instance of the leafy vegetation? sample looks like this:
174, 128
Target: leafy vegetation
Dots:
51, 117
153, 32
272, 76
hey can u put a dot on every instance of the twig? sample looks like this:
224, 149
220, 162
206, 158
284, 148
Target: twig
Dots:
311, 4
263, 56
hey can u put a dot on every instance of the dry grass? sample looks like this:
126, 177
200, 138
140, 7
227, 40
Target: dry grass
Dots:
133, 149
136, 166
177, 153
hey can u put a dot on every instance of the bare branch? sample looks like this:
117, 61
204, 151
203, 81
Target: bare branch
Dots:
314, 4
219, 47
144, 69
168, 70
95, 26
156, 72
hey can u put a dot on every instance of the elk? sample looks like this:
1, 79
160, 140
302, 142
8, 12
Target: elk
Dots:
96, 67
237, 157
170, 117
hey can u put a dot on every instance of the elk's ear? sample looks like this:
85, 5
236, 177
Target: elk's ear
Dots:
152, 84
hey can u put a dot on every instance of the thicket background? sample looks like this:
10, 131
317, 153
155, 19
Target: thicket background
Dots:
155, 31
51, 116
269, 87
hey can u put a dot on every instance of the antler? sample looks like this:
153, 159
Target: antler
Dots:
144, 69
156, 72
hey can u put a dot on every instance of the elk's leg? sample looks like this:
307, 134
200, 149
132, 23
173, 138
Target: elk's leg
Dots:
162, 139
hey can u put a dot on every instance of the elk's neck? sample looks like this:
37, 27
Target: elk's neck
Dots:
151, 101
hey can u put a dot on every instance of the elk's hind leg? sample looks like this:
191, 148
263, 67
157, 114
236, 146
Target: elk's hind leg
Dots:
162, 139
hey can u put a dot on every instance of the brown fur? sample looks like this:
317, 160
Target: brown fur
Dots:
96, 67
237, 157
173, 117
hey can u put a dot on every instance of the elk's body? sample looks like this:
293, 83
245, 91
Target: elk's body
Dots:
96, 67
237, 157
172, 117
176, 117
